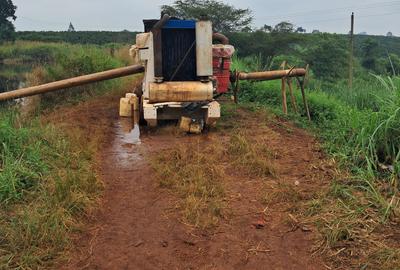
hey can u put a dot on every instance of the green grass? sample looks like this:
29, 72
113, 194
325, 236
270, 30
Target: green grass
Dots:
360, 129
48, 182
39, 62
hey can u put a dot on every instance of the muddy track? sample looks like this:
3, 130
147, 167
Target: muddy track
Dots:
138, 225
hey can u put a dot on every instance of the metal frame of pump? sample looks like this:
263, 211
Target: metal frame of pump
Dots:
171, 100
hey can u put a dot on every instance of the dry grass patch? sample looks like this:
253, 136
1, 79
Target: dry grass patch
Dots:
251, 156
195, 174
281, 192
353, 231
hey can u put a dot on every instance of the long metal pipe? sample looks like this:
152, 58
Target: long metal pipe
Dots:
272, 75
68, 83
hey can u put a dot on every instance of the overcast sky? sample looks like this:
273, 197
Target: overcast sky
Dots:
372, 16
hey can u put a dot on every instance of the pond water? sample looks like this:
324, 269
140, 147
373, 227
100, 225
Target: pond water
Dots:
13, 76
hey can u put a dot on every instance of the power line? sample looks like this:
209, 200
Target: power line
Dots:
332, 10
343, 18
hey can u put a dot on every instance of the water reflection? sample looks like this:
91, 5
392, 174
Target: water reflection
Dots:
130, 129
125, 148
12, 76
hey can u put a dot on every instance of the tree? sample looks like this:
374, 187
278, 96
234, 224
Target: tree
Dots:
226, 18
389, 34
301, 30
284, 27
370, 52
327, 57
7, 15
247, 29
71, 28
266, 28
389, 64
264, 45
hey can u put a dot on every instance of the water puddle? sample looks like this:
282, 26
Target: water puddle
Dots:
130, 129
126, 144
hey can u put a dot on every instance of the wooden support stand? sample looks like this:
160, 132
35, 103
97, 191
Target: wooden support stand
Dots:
284, 101
292, 97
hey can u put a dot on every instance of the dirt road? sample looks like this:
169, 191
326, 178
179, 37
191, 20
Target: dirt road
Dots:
138, 224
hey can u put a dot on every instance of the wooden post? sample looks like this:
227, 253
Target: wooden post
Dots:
284, 101
307, 75
292, 98
303, 93
236, 88
351, 52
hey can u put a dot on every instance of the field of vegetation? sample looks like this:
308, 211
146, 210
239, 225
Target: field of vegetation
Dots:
359, 128
47, 177
47, 180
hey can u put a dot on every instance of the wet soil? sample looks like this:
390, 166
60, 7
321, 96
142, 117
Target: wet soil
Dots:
138, 225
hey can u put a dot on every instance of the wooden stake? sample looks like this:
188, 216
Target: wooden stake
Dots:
307, 76
236, 88
284, 101
303, 93
292, 98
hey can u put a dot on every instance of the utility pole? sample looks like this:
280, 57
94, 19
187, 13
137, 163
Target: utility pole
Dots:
351, 61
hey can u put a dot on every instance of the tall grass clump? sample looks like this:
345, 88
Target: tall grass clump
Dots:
73, 61
24, 51
47, 183
248, 64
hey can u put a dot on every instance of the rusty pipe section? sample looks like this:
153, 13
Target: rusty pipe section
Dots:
157, 46
272, 75
68, 83
165, 18
221, 38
